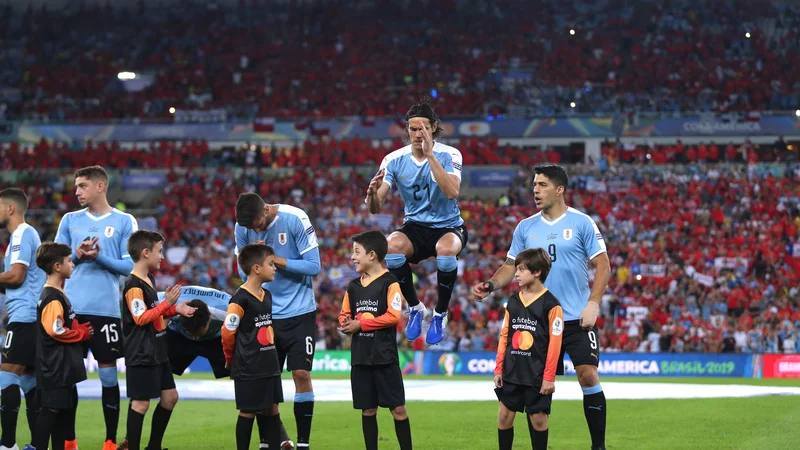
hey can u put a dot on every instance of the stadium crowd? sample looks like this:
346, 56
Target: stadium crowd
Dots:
500, 55
703, 257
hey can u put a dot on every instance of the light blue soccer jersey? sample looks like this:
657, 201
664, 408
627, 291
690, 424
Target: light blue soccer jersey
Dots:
291, 235
21, 302
572, 241
425, 203
94, 286
217, 302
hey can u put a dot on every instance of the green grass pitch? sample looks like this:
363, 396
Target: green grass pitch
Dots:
731, 423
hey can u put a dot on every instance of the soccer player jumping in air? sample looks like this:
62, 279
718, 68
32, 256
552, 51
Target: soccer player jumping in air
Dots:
427, 175
571, 239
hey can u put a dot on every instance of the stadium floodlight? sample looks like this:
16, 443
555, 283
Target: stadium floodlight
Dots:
172, 110
571, 104
572, 32
797, 113
747, 35
126, 76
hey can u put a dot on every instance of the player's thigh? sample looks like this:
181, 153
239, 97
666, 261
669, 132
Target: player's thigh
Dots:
295, 338
362, 385
581, 345
423, 241
19, 348
452, 241
389, 386
400, 243
106, 342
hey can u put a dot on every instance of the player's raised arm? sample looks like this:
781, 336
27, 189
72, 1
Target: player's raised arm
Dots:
448, 180
378, 189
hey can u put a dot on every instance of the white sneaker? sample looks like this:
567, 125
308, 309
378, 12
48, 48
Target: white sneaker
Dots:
3, 447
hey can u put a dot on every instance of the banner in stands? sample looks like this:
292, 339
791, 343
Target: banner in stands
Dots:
266, 130
141, 180
780, 366
614, 364
617, 364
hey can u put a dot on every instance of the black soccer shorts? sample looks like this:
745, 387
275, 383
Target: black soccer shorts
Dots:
582, 346
295, 339
259, 394
525, 399
58, 398
424, 239
147, 382
375, 386
20, 344
106, 342
183, 351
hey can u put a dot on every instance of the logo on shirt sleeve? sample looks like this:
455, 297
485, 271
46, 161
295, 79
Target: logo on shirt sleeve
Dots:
58, 326
232, 321
138, 307
558, 326
397, 302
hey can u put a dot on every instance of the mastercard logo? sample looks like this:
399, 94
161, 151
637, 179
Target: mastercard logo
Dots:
362, 316
522, 340
265, 336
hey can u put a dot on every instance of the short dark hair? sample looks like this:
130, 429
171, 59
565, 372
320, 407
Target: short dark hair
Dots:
50, 253
249, 207
200, 318
94, 173
253, 254
17, 196
535, 259
141, 240
373, 241
554, 173
424, 109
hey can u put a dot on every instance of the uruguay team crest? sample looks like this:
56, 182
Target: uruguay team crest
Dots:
109, 231
567, 234
282, 238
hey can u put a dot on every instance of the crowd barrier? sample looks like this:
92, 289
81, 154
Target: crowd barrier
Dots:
734, 365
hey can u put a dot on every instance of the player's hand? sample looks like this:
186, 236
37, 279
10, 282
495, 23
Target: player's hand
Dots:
589, 315
86, 330
548, 387
481, 290
427, 140
185, 310
260, 242
172, 293
376, 182
498, 381
351, 327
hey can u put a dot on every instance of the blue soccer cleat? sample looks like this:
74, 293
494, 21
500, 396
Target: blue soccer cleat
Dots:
415, 316
436, 331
